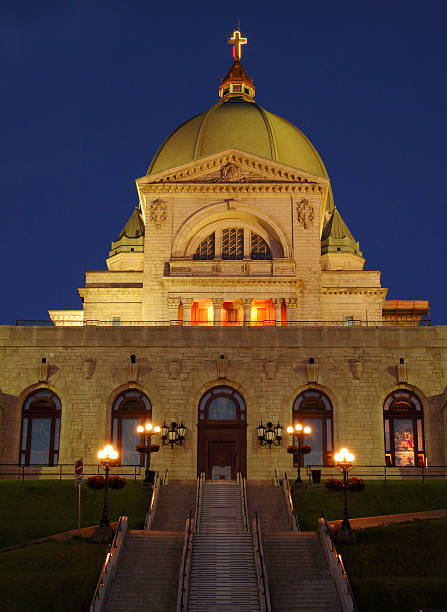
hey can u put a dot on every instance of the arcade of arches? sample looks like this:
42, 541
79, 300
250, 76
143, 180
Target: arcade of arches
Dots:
222, 429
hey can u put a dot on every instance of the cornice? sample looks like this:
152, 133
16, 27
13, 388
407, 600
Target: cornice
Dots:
379, 291
237, 281
266, 168
232, 188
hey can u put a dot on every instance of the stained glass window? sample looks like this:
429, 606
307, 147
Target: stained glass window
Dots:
404, 430
233, 243
41, 417
206, 249
259, 248
130, 409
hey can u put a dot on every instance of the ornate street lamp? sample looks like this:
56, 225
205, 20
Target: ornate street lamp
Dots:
344, 460
269, 434
174, 434
146, 432
107, 457
300, 431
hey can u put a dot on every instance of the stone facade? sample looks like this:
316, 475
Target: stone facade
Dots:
357, 368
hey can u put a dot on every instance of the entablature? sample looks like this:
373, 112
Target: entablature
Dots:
218, 268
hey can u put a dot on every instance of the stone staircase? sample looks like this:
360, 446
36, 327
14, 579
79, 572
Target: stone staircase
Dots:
223, 574
297, 570
268, 502
148, 570
298, 573
175, 502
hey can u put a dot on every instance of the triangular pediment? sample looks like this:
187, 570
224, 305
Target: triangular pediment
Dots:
232, 167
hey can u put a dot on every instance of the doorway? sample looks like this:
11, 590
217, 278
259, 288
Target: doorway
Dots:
222, 430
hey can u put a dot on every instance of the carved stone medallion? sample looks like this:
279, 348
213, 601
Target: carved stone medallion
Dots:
305, 212
158, 213
231, 173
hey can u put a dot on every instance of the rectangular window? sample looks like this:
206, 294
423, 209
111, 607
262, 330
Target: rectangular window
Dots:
349, 321
403, 442
116, 321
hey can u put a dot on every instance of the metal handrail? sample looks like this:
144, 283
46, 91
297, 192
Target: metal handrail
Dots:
261, 570
276, 479
293, 518
198, 507
244, 503
337, 557
175, 322
109, 556
21, 472
165, 477
185, 566
150, 514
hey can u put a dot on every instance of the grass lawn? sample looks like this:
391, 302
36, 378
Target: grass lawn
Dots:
50, 577
38, 508
400, 568
375, 499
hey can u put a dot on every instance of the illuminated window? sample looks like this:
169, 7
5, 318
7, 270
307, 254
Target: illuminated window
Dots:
205, 250
233, 243
130, 409
259, 248
349, 321
116, 321
404, 430
314, 408
222, 404
41, 423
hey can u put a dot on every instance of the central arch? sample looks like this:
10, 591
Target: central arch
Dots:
222, 434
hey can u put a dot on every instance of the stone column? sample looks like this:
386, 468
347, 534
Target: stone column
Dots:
246, 305
277, 302
173, 304
291, 304
187, 303
217, 307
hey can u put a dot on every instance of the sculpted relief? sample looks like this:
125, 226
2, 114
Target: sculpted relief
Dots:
305, 213
158, 213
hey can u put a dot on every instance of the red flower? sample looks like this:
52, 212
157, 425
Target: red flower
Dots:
96, 482
292, 450
117, 482
306, 449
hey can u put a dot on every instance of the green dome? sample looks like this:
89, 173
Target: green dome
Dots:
240, 124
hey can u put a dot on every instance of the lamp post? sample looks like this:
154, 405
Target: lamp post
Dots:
147, 431
107, 457
300, 431
344, 460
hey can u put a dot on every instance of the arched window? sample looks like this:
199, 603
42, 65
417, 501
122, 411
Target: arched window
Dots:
221, 404
314, 408
259, 248
41, 425
233, 243
404, 429
206, 249
130, 409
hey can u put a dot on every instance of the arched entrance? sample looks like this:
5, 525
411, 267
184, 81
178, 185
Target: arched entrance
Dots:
222, 446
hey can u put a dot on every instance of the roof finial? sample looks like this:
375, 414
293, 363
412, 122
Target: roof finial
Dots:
237, 41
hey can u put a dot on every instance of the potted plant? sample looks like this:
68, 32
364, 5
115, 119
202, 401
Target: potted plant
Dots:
96, 482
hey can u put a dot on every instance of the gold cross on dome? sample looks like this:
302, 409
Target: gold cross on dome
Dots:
237, 41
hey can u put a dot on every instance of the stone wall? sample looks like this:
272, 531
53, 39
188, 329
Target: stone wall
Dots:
357, 367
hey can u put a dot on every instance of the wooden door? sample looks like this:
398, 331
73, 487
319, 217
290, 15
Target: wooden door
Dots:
221, 460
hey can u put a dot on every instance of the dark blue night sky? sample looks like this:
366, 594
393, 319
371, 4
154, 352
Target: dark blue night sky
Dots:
92, 88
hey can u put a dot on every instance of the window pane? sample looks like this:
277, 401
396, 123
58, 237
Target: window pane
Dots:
24, 433
420, 436
387, 436
129, 439
57, 428
403, 442
222, 409
315, 440
329, 434
40, 441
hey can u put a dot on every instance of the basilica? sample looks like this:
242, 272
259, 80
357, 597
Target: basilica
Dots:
234, 297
